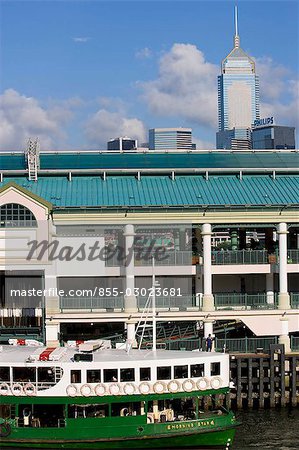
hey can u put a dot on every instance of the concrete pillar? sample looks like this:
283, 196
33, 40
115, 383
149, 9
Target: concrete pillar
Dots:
130, 298
208, 298
52, 307
283, 297
284, 338
270, 288
234, 240
131, 341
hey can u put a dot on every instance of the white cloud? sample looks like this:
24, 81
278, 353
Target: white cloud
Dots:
105, 125
186, 86
81, 39
144, 53
22, 117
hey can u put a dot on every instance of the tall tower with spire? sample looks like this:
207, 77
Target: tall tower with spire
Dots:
238, 95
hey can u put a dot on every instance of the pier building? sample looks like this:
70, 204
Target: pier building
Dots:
83, 202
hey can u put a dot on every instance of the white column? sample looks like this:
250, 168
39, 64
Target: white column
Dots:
208, 298
52, 307
130, 298
284, 338
283, 297
270, 288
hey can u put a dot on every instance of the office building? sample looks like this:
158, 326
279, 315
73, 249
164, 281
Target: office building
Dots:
170, 139
122, 143
235, 139
273, 137
238, 93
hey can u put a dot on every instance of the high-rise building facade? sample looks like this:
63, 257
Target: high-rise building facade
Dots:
273, 137
170, 139
238, 92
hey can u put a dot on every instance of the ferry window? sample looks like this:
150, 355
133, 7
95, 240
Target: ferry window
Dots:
127, 375
126, 409
145, 373
4, 373
83, 411
180, 371
43, 416
93, 376
22, 374
164, 373
215, 368
110, 375
75, 376
197, 370
5, 411
45, 374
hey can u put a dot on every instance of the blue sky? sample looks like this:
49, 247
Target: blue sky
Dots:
76, 73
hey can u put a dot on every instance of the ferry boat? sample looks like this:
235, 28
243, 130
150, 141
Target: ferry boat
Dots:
92, 396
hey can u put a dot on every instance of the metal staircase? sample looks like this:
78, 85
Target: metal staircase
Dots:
32, 156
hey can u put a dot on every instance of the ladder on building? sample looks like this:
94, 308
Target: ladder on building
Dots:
32, 155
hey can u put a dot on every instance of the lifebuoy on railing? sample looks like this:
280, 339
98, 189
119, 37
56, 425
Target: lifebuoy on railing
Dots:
114, 389
100, 389
188, 385
4, 389
17, 389
5, 429
86, 390
159, 387
203, 383
71, 390
174, 386
29, 389
216, 382
144, 388
150, 418
129, 388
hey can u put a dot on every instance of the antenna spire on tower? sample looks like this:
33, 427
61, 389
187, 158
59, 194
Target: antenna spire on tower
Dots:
236, 37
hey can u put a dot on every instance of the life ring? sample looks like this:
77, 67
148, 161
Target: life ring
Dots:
150, 418
5, 429
159, 387
124, 412
86, 390
216, 382
29, 389
173, 386
202, 383
71, 390
129, 388
4, 389
17, 389
114, 389
100, 389
188, 385
144, 388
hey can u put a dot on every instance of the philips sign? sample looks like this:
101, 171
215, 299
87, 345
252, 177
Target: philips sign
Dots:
263, 122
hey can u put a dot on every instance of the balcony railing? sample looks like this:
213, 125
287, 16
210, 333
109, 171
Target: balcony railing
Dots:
295, 343
91, 303
240, 257
234, 300
244, 345
293, 256
170, 302
171, 258
294, 297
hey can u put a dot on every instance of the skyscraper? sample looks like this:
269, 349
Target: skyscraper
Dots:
238, 93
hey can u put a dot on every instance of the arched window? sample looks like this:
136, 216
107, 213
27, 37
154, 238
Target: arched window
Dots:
13, 215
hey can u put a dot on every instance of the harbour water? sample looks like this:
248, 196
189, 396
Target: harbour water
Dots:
268, 430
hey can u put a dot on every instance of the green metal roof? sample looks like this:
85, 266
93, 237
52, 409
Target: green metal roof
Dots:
189, 190
153, 160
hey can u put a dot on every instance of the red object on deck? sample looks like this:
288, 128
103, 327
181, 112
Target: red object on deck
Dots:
21, 341
79, 342
44, 356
